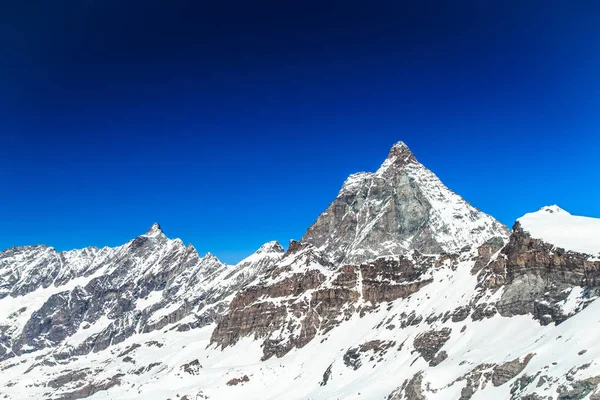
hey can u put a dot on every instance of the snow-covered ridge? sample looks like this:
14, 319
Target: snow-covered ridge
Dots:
554, 225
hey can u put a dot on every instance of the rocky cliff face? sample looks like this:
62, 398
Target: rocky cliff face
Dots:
401, 207
400, 290
541, 279
304, 296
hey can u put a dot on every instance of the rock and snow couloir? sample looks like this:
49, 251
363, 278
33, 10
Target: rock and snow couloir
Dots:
400, 290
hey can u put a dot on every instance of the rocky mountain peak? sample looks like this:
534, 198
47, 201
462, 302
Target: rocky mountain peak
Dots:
210, 257
154, 231
399, 208
270, 247
401, 155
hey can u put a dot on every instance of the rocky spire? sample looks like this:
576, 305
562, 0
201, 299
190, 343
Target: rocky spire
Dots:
154, 231
401, 155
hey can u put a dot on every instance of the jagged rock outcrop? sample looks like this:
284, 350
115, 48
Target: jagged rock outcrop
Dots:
537, 278
428, 344
289, 311
410, 389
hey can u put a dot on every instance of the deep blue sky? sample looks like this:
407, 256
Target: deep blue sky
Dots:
236, 123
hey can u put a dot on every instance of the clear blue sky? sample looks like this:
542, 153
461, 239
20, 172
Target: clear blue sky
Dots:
236, 123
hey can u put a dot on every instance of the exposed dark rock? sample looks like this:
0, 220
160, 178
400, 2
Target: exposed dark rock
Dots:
483, 311
403, 274
147, 368
252, 313
485, 252
130, 349
237, 381
531, 396
90, 389
352, 357
192, 368
537, 276
429, 343
411, 320
59, 317
505, 372
439, 357
520, 385
326, 376
410, 390
461, 313
578, 391
69, 377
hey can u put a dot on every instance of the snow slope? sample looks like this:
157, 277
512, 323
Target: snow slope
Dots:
554, 225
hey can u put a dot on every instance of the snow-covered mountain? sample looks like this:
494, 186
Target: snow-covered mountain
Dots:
400, 290
555, 225
401, 207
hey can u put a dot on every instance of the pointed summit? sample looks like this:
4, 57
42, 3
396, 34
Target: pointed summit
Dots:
154, 231
270, 247
210, 256
553, 209
266, 256
401, 155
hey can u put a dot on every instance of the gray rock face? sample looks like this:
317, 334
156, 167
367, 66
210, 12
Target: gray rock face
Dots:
277, 310
429, 343
410, 389
507, 371
537, 277
401, 207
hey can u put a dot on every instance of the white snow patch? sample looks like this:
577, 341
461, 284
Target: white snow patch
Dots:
152, 298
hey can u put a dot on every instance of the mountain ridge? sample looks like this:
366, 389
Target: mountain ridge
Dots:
435, 317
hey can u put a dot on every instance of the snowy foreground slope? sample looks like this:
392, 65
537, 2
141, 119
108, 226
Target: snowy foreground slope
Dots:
490, 314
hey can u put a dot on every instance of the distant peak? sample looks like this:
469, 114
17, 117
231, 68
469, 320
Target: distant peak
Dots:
154, 231
210, 257
191, 247
553, 209
401, 155
270, 247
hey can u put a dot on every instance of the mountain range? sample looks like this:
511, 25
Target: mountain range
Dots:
399, 290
